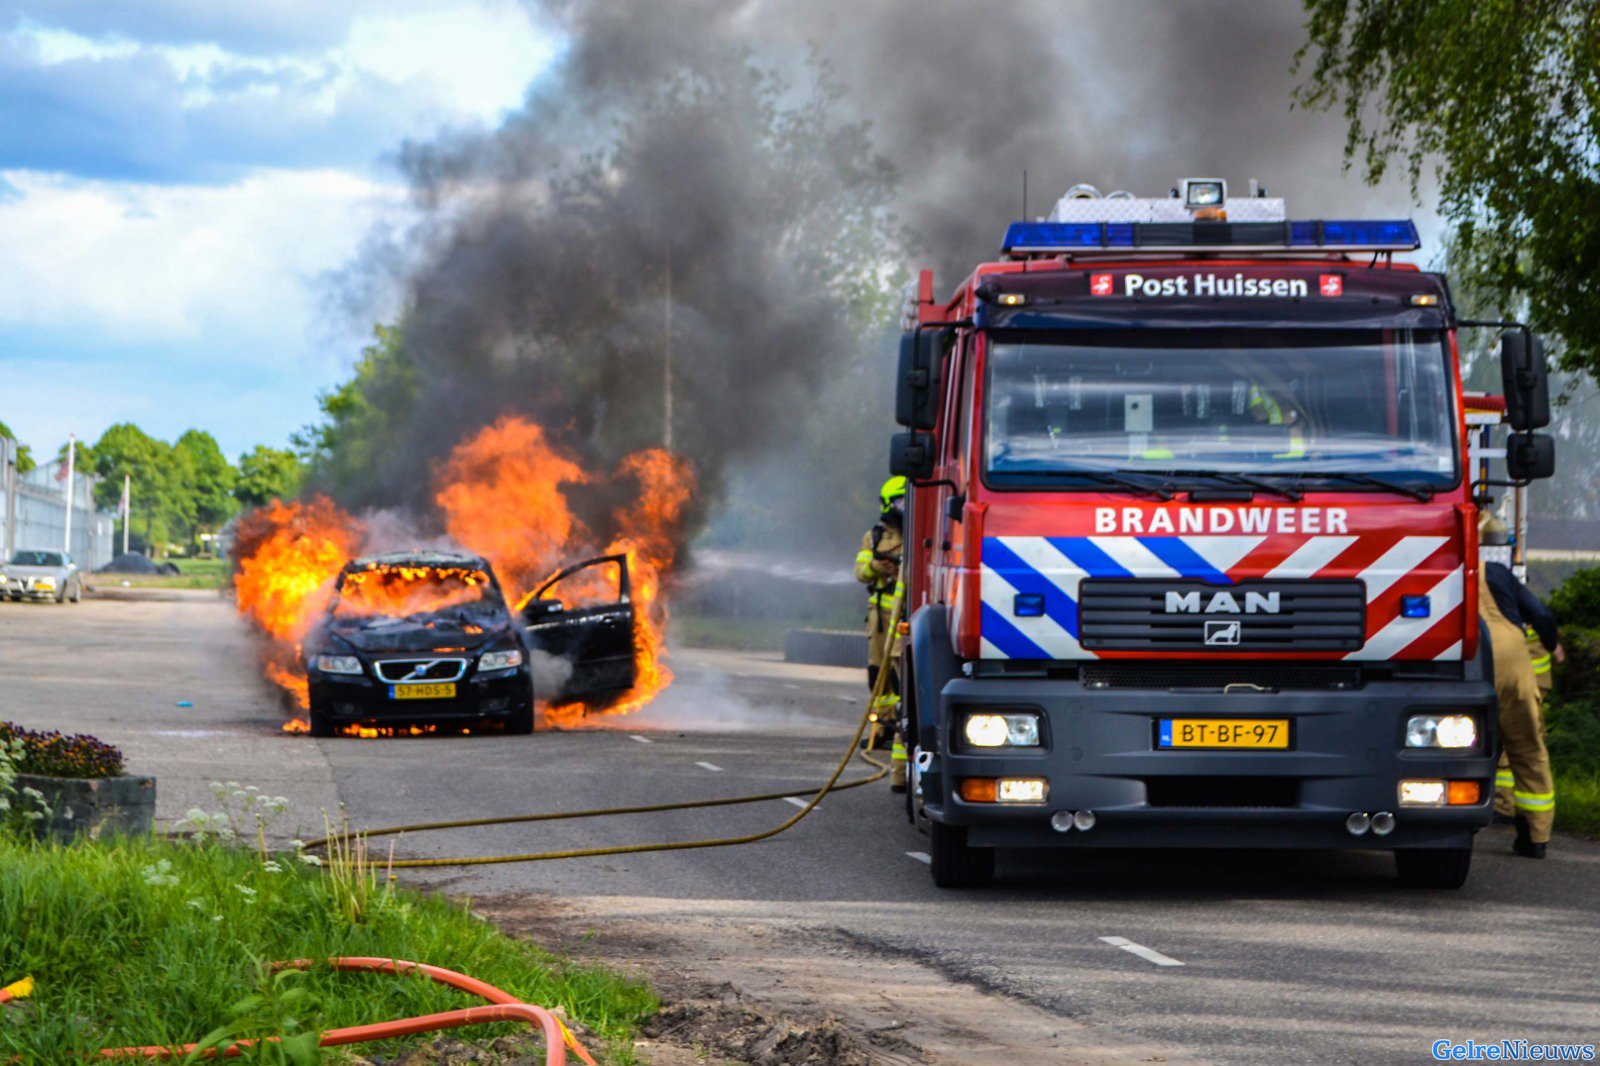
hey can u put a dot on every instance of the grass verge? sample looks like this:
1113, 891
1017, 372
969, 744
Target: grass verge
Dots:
148, 941
1572, 733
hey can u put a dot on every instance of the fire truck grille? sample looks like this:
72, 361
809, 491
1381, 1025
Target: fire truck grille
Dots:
1178, 616
1216, 677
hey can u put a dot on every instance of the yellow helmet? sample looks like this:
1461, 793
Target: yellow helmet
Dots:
893, 489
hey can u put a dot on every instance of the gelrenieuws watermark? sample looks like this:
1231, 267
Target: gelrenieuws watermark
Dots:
1510, 1051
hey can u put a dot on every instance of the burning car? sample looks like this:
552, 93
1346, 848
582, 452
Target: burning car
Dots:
413, 637
426, 636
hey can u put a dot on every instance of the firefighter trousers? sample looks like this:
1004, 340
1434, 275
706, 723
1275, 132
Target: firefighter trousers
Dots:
1525, 762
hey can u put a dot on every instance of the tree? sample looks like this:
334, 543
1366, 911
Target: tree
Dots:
25, 462
267, 474
158, 491
208, 478
1499, 98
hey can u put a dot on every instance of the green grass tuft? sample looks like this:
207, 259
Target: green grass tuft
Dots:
146, 941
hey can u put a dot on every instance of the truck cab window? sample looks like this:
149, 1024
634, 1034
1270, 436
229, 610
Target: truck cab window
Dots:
1277, 402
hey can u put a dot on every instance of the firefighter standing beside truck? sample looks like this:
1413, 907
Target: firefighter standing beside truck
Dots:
878, 567
1526, 640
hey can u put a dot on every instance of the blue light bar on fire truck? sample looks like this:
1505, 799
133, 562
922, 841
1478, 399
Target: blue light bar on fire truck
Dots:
1079, 238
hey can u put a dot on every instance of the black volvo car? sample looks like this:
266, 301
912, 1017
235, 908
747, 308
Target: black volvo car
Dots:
421, 637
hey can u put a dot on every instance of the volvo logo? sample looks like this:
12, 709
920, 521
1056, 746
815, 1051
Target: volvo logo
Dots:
420, 671
1222, 602
1222, 633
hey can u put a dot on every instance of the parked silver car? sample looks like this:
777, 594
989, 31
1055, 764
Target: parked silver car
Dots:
35, 574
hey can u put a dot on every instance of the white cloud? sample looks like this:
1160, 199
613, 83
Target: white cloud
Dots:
145, 264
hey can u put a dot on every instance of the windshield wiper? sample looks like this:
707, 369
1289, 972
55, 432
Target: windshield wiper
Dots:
1288, 492
1161, 491
1415, 492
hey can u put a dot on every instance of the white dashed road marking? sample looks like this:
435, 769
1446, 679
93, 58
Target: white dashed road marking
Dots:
709, 766
642, 740
921, 856
1147, 954
798, 802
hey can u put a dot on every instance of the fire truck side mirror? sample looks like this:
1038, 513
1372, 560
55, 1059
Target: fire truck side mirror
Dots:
916, 399
1530, 456
1525, 380
911, 455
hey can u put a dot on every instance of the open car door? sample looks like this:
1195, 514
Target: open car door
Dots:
583, 617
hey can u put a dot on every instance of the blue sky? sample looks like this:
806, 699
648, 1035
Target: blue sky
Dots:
178, 180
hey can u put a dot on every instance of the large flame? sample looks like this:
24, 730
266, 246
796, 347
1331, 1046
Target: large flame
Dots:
504, 494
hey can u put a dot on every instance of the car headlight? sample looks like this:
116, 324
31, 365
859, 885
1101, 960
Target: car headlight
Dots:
500, 660
1441, 731
338, 664
1002, 730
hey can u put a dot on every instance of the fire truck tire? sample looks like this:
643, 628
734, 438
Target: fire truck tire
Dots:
955, 864
1433, 867
520, 724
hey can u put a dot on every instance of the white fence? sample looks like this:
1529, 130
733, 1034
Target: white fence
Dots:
33, 512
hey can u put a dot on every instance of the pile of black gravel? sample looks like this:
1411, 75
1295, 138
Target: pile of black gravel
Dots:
130, 563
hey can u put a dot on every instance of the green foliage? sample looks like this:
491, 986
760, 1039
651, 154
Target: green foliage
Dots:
208, 476
267, 474
363, 419
25, 460
148, 941
1498, 96
179, 490
1576, 601
51, 754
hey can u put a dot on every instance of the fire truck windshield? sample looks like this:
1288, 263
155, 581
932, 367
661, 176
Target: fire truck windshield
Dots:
1063, 407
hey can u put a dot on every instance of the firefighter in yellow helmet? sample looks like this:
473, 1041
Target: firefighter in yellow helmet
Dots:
1521, 723
878, 568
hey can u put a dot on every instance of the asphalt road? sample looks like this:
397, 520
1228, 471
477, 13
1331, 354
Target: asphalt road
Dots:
1314, 958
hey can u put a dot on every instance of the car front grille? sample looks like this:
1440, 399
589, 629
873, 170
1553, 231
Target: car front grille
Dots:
402, 671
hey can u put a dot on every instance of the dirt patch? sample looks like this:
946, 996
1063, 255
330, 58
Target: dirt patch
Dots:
746, 983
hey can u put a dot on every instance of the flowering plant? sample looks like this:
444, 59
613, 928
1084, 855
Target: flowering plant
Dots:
52, 754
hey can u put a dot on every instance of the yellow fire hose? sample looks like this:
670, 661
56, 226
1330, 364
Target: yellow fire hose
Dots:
832, 785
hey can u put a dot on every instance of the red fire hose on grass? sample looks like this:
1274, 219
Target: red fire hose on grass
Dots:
503, 1007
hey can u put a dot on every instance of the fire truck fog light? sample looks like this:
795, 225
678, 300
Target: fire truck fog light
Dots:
1464, 793
1441, 731
1061, 821
1424, 299
1415, 606
1011, 299
1083, 821
1002, 730
1422, 793
1023, 790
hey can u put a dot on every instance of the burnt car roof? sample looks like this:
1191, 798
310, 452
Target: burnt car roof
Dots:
432, 559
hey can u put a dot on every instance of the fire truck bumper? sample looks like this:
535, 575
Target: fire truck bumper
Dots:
1103, 752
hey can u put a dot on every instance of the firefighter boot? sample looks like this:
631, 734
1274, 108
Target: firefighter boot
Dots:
1524, 844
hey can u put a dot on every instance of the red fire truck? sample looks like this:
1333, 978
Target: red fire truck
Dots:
1192, 546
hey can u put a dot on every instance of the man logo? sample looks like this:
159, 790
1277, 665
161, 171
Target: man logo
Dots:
1222, 633
1223, 602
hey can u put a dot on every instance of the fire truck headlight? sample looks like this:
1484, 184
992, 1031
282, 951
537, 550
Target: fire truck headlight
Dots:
1441, 731
1204, 192
1002, 730
1422, 793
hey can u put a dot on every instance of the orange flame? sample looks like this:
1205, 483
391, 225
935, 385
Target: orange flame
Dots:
504, 494
288, 555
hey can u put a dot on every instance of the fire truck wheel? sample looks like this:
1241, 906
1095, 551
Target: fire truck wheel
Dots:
520, 724
1433, 867
955, 864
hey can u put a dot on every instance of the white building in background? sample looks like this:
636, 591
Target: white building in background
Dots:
33, 511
